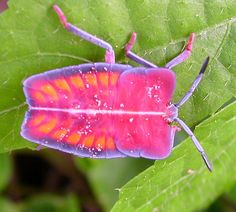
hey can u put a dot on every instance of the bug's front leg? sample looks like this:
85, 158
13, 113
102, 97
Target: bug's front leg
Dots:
135, 57
184, 55
109, 56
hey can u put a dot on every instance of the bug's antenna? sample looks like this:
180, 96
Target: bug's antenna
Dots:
194, 85
196, 143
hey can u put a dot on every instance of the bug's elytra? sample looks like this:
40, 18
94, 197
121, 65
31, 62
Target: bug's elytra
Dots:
107, 110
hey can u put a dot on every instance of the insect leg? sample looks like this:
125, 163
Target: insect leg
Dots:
196, 143
133, 56
39, 147
194, 85
184, 55
109, 56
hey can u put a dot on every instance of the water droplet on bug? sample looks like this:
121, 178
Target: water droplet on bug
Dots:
131, 120
156, 87
149, 91
98, 102
122, 105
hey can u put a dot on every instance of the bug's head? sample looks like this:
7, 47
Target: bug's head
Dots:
172, 112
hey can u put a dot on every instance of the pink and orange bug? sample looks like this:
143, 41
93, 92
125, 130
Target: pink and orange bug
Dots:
108, 110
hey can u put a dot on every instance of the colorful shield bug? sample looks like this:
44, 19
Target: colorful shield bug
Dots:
107, 110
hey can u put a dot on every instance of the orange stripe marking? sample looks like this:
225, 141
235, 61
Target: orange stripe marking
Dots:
74, 138
103, 78
113, 78
48, 127
88, 141
77, 81
39, 97
110, 143
48, 89
59, 134
100, 142
62, 84
91, 79
37, 120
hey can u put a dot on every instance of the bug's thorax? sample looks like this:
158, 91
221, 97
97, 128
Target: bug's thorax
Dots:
171, 113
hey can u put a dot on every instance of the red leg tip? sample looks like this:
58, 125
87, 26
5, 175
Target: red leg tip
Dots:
131, 42
189, 45
61, 15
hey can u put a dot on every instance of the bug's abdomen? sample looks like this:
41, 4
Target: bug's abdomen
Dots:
64, 109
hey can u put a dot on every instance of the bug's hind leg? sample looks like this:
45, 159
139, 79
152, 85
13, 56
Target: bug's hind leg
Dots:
196, 143
184, 55
109, 56
133, 56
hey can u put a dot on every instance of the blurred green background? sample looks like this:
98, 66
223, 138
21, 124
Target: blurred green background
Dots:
33, 41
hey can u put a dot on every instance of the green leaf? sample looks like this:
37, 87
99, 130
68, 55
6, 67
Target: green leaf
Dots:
33, 41
7, 206
232, 194
50, 203
39, 203
105, 182
182, 182
6, 170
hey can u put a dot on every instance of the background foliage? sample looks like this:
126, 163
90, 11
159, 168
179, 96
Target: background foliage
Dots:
33, 41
